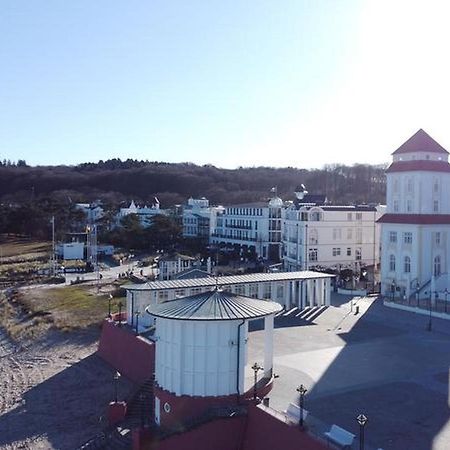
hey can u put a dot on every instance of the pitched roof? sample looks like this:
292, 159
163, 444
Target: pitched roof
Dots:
418, 165
214, 305
416, 219
420, 142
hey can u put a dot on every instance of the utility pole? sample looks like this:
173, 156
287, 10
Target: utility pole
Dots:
53, 257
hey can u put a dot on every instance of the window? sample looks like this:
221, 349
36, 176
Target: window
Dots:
435, 205
392, 263
313, 254
358, 216
349, 233
395, 205
393, 237
409, 185
337, 251
395, 185
437, 266
313, 237
437, 237
408, 205
316, 216
349, 251
358, 254
436, 186
359, 235
349, 217
336, 233
407, 237
407, 265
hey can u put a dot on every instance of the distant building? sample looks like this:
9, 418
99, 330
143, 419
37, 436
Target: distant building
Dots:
171, 265
416, 226
253, 229
145, 213
94, 212
319, 235
199, 219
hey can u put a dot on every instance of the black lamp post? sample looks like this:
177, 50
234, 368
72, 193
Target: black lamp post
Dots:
362, 420
256, 368
137, 314
302, 391
393, 289
446, 293
429, 327
109, 305
116, 378
417, 292
120, 313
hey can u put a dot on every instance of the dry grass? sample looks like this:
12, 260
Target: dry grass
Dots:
16, 247
30, 313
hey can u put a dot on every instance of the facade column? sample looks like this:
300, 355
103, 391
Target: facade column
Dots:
319, 292
247, 290
310, 293
273, 291
268, 346
302, 294
328, 292
292, 289
286, 293
171, 294
260, 290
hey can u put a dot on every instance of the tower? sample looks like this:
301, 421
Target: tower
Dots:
415, 233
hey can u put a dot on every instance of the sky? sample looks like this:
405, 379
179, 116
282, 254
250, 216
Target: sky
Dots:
231, 83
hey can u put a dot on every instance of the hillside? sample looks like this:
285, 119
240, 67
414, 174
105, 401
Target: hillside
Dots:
115, 181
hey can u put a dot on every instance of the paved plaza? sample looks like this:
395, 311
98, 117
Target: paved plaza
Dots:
382, 362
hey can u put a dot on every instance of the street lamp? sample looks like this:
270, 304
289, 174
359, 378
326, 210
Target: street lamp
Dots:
109, 305
429, 327
362, 420
302, 391
120, 313
417, 292
393, 289
256, 368
137, 314
116, 378
446, 293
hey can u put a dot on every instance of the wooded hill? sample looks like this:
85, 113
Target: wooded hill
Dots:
116, 182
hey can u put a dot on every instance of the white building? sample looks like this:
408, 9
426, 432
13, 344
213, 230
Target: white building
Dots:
252, 229
199, 219
416, 226
145, 213
93, 211
318, 235
170, 265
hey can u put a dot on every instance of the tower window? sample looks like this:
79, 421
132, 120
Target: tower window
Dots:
392, 263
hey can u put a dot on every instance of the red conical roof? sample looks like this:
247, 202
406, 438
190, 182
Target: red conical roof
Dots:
420, 142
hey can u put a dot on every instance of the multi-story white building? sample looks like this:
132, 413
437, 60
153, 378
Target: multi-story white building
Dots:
416, 226
145, 213
94, 212
318, 235
199, 219
254, 229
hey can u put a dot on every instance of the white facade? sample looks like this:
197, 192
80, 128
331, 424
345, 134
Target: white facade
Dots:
145, 213
199, 219
93, 211
335, 237
254, 228
416, 227
200, 358
171, 265
71, 250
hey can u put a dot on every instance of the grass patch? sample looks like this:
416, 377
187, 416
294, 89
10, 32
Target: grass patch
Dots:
27, 314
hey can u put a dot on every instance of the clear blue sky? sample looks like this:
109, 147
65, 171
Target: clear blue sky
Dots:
263, 82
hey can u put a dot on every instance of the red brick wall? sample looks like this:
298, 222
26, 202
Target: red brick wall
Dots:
132, 356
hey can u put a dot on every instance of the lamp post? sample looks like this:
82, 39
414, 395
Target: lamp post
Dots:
362, 420
120, 313
116, 378
302, 391
429, 327
446, 293
109, 305
137, 314
393, 289
256, 368
417, 292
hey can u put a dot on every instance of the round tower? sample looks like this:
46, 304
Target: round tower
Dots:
201, 353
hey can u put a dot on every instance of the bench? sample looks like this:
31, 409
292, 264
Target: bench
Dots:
339, 436
293, 413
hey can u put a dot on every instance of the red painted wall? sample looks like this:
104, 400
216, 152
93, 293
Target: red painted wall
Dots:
222, 434
265, 432
132, 356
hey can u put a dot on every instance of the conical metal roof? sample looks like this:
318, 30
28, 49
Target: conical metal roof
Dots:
214, 305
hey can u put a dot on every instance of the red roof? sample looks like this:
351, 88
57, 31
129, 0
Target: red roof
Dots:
420, 142
416, 219
416, 165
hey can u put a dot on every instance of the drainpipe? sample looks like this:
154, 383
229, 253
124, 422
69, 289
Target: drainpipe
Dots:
239, 360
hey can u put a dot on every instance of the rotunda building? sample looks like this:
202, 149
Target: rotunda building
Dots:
201, 353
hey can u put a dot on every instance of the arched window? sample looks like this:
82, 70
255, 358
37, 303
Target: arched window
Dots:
407, 265
392, 263
313, 237
437, 266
